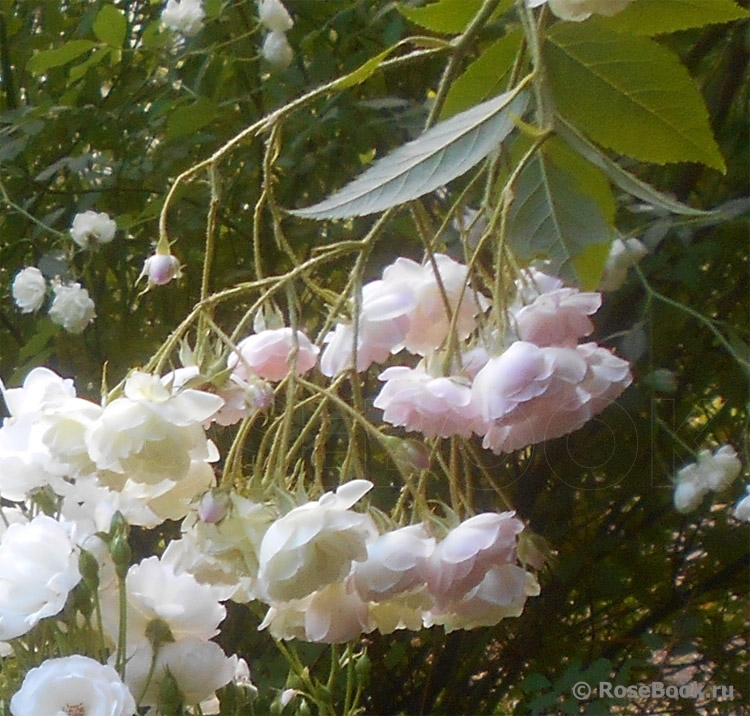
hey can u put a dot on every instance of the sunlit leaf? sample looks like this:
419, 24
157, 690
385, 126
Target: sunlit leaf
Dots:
622, 178
657, 17
448, 17
47, 59
629, 94
444, 152
484, 77
110, 26
190, 118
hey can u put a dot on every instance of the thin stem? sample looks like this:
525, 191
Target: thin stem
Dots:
460, 48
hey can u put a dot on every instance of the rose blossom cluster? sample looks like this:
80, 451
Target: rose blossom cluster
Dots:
542, 384
71, 307
329, 575
140, 459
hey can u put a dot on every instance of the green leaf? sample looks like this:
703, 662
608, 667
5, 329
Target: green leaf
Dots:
657, 17
442, 153
484, 77
190, 118
629, 94
628, 182
448, 17
110, 26
47, 59
551, 219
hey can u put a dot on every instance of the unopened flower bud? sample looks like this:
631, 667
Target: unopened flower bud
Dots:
89, 569
119, 549
160, 269
213, 506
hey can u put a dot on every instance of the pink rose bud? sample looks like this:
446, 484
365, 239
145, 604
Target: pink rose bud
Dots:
160, 269
213, 507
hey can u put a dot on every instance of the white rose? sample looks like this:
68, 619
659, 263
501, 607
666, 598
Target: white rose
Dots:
152, 433
29, 289
579, 10
183, 16
622, 255
395, 564
273, 15
38, 568
155, 591
198, 667
335, 616
314, 545
72, 308
75, 685
91, 226
277, 51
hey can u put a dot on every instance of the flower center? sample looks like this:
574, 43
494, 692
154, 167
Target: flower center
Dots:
75, 710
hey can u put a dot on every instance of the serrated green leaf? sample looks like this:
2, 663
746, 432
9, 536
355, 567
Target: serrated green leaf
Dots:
190, 118
484, 77
110, 26
629, 94
622, 178
448, 17
658, 17
442, 153
47, 59
551, 219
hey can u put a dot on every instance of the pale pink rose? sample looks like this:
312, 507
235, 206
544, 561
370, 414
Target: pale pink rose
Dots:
501, 593
524, 371
383, 323
430, 321
269, 354
559, 317
461, 560
335, 615
395, 564
530, 394
442, 406
160, 269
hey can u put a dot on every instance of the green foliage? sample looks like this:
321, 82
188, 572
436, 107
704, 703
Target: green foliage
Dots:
619, 135
660, 116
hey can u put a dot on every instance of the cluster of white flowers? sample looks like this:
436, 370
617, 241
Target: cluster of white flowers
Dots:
184, 16
712, 473
142, 456
275, 18
71, 307
580, 10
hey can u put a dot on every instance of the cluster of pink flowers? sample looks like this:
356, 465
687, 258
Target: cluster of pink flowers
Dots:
544, 383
